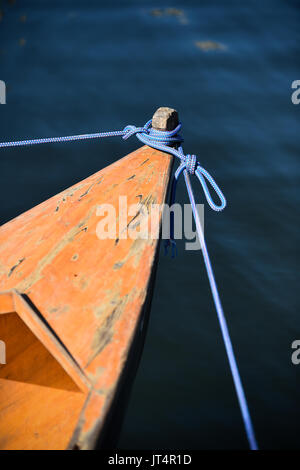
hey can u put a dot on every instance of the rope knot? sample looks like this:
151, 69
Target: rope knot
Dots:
153, 137
131, 130
191, 163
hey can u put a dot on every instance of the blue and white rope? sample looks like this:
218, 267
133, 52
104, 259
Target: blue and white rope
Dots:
69, 138
163, 140
160, 140
222, 321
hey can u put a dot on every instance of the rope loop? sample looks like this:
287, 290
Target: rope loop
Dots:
202, 174
165, 140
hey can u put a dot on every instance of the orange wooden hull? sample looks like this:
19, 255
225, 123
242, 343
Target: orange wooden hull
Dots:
72, 306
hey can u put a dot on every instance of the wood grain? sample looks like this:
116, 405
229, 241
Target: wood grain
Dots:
81, 297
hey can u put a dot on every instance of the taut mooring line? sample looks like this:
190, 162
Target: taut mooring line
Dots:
222, 321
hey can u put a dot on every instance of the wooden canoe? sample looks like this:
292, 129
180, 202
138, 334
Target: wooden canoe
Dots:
73, 309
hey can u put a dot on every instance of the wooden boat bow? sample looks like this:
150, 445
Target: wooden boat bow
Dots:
73, 307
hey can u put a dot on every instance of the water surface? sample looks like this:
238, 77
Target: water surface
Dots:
83, 66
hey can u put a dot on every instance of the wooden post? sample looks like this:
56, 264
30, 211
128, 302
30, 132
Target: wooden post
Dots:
165, 119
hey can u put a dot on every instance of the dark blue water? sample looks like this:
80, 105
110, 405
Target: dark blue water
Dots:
81, 66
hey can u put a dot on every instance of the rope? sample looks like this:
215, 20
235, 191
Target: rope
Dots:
152, 137
69, 138
162, 140
222, 321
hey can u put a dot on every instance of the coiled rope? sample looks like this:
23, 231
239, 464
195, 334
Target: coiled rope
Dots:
163, 140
